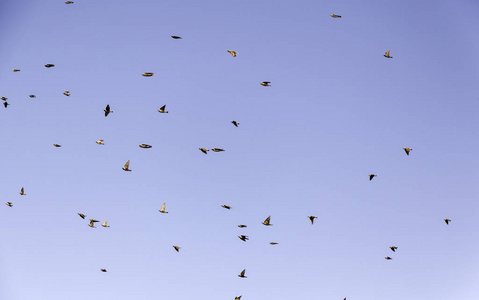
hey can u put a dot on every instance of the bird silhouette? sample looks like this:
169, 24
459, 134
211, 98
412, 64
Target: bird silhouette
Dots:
145, 146
22, 192
82, 215
162, 109
407, 150
177, 248
311, 218
107, 110
105, 224
335, 16
371, 176
243, 237
233, 53
241, 275
447, 221
9, 204
204, 150
100, 142
387, 54
235, 123
162, 209
266, 222
265, 83
148, 74
126, 167
176, 37
226, 206
393, 248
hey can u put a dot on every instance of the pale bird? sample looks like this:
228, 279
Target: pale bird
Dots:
148, 74
393, 248
16, 70
66, 93
241, 275
145, 146
176, 37
447, 221
162, 109
335, 16
22, 192
217, 150
242, 226
371, 176
387, 54
9, 204
127, 165
274, 243
226, 206
177, 248
162, 209
92, 224
266, 222
49, 65
265, 83
57, 145
32, 96
103, 270
235, 123
82, 215
388, 258
311, 218
204, 150
407, 150
243, 237
233, 53
105, 224
107, 110
100, 142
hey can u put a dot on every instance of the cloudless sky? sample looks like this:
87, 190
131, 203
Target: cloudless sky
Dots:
337, 110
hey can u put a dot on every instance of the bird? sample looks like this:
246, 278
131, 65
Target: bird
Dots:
238, 298
103, 270
100, 142
407, 150
217, 150
335, 16
49, 65
107, 110
66, 93
22, 192
147, 74
241, 275
94, 220
144, 146
69, 2
104, 224
16, 70
311, 218
6, 104
162, 209
176, 37
177, 248
204, 150
82, 215
243, 237
92, 224
57, 145
274, 243
127, 165
387, 54
447, 221
162, 110
233, 53
371, 176
393, 248
235, 123
4, 98
242, 226
388, 258
9, 204
226, 206
32, 96
265, 83
266, 222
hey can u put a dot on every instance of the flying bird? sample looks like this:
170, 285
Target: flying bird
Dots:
6, 104
57, 145
242, 274
265, 83
69, 2
148, 74
238, 298
92, 224
177, 248
104, 224
204, 150
162, 109
16, 70
82, 215
393, 248
226, 206
274, 243
217, 150
233, 53
335, 16
235, 123
371, 176
49, 65
447, 221
162, 209
242, 226
176, 37
388, 258
127, 165
145, 146
266, 222
32, 96
100, 142
103, 270
387, 54
107, 110
22, 192
311, 218
9, 204
243, 237
66, 93
407, 150
4, 98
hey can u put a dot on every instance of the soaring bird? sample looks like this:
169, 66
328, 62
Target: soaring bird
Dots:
82, 215
148, 74
69, 2
274, 243
162, 209
104, 224
407, 150
22, 192
226, 206
311, 218
265, 83
103, 270
177, 248
238, 298
4, 98
127, 165
233, 53
266, 222
16, 70
176, 37
447, 221
387, 54
32, 96
57, 145
162, 109
243, 237
242, 274
49, 65
204, 150
6, 104
9, 204
371, 176
388, 258
107, 110
100, 142
393, 248
217, 150
235, 123
242, 226
66, 93
335, 16
144, 146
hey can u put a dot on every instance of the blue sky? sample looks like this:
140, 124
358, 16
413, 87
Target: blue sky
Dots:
336, 111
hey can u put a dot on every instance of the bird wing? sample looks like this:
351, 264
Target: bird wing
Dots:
127, 165
267, 220
163, 207
163, 107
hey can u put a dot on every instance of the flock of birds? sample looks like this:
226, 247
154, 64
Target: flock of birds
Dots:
126, 167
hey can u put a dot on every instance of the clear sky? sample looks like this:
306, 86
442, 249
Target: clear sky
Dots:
337, 110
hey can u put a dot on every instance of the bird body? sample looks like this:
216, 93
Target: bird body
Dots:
162, 209
32, 96
105, 224
9, 204
217, 150
388, 258
148, 74
335, 16
274, 243
66, 93
100, 142
126, 167
6, 104
16, 70
243, 237
57, 145
242, 226
162, 109
371, 176
22, 192
266, 222
107, 110
49, 65
176, 37
82, 215
311, 218
226, 206
204, 150
145, 146
265, 83
241, 275
233, 53
92, 224
103, 270
387, 54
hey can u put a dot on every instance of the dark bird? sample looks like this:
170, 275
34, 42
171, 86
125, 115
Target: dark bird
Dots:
242, 226
176, 37
6, 104
69, 2
393, 248
127, 165
266, 222
9, 204
217, 150
32, 96
447, 221
243, 237
233, 53
16, 70
387, 54
204, 150
177, 248
66, 93
103, 270
226, 206
107, 110
235, 123
265, 83
49, 65
371, 176
82, 215
388, 258
274, 243
22, 192
145, 146
148, 74
57, 145
311, 218
335, 16
407, 150
241, 275
162, 109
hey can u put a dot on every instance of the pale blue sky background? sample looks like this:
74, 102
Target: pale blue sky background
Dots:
337, 111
